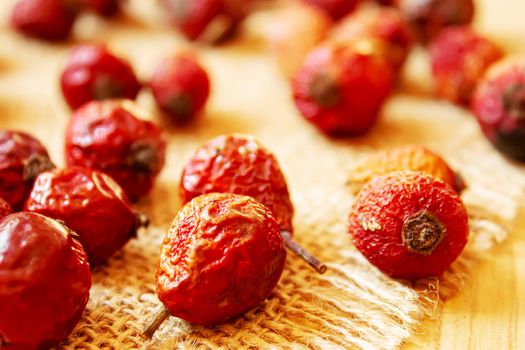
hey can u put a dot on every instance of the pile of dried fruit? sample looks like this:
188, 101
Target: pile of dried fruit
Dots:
225, 250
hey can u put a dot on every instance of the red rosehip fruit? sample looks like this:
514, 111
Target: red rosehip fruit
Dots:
180, 87
5, 209
335, 8
429, 17
107, 136
22, 158
94, 73
44, 281
499, 105
106, 8
459, 57
238, 164
90, 203
44, 19
410, 225
222, 256
384, 25
341, 88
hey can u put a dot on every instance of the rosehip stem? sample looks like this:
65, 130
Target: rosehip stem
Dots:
302, 253
158, 318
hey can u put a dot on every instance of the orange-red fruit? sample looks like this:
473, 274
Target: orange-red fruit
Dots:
410, 157
238, 164
459, 58
222, 256
335, 8
409, 225
341, 88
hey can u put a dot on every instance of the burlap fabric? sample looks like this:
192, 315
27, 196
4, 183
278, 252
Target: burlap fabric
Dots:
352, 305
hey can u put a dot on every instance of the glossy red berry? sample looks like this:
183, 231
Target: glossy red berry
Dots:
341, 88
499, 106
459, 57
385, 27
22, 158
410, 225
90, 203
5, 209
429, 17
94, 73
107, 136
106, 8
335, 8
180, 87
44, 281
222, 256
44, 19
238, 164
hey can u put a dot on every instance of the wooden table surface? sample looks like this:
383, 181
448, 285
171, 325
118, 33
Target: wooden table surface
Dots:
490, 312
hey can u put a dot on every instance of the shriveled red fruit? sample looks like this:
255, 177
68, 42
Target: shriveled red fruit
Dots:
180, 87
90, 203
94, 73
5, 209
429, 17
222, 256
238, 164
335, 8
44, 281
341, 88
499, 106
44, 19
409, 224
293, 31
106, 8
22, 158
107, 136
459, 57
384, 25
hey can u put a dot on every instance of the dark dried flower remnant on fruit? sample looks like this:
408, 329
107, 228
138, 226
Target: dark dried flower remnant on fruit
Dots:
422, 232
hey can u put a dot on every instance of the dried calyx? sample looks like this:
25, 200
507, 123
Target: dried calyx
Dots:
143, 156
422, 232
514, 101
324, 90
36, 164
105, 87
180, 107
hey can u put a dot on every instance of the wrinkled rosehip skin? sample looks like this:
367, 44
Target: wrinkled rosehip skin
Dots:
44, 281
459, 57
90, 203
106, 8
180, 87
503, 127
361, 83
238, 164
384, 24
335, 8
429, 17
410, 157
222, 256
5, 209
43, 19
102, 135
388, 201
94, 73
17, 152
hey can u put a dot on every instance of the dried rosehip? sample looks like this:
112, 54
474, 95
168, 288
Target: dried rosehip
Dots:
409, 224
222, 256
44, 19
459, 57
340, 88
384, 25
5, 209
293, 32
430, 16
499, 105
411, 157
22, 158
94, 73
44, 281
241, 165
335, 8
106, 8
90, 203
107, 136
180, 87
